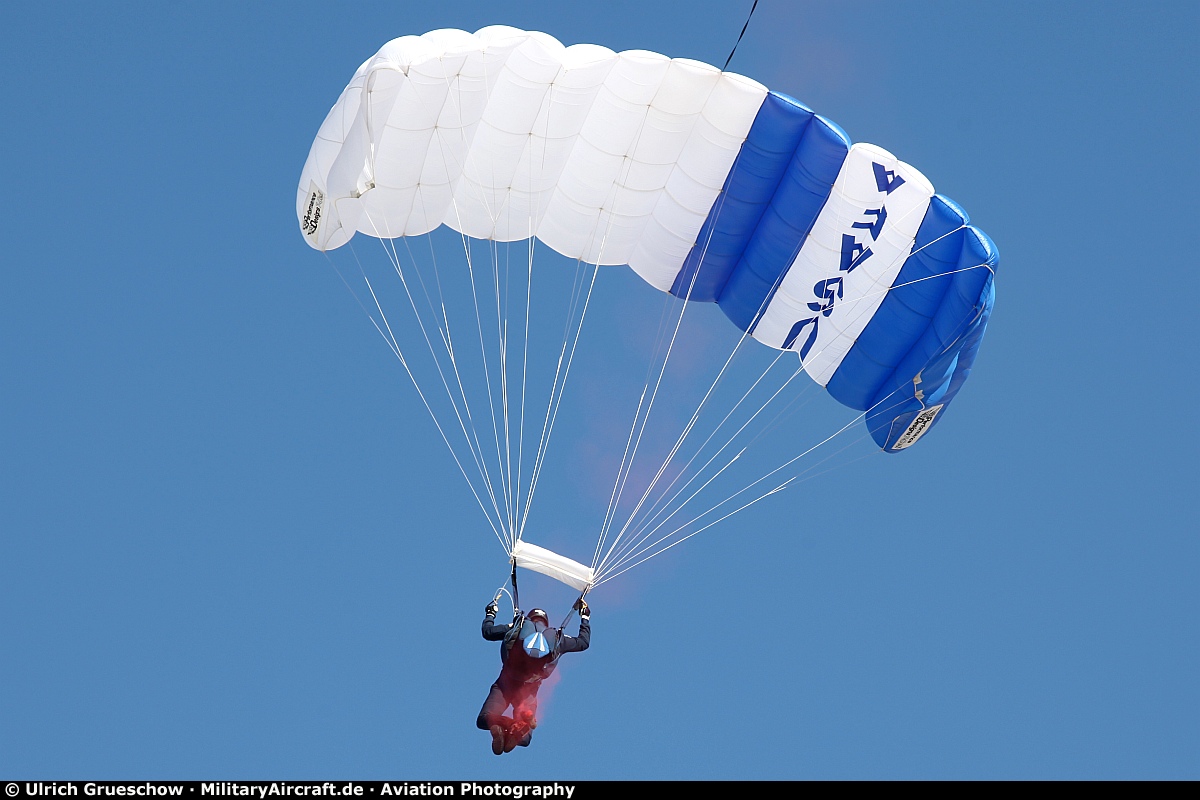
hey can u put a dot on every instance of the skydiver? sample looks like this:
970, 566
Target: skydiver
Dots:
529, 652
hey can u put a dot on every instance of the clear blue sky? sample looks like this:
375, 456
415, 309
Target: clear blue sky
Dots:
232, 545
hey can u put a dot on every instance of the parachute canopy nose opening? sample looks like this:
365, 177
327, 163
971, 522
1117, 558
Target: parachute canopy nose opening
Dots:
547, 562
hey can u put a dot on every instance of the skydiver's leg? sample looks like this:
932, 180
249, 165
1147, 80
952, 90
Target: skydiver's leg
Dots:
525, 705
493, 710
491, 718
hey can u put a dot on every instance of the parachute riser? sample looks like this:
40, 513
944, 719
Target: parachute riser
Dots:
516, 596
571, 613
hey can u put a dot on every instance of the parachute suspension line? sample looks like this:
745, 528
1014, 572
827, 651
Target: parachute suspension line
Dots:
502, 330
627, 164
477, 450
505, 459
646, 532
610, 574
525, 501
482, 349
665, 537
394, 346
659, 338
687, 429
449, 342
622, 565
500, 460
531, 238
666, 498
394, 257
508, 438
786, 411
599, 259
610, 510
740, 35
658, 343
561, 386
877, 293
639, 425
629, 456
619, 487
524, 374
641, 533
557, 386
437, 281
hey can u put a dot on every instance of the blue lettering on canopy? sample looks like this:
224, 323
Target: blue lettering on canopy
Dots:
886, 179
826, 289
875, 227
853, 253
829, 291
795, 333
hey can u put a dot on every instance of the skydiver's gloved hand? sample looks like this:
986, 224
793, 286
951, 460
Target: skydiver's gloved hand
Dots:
582, 607
491, 609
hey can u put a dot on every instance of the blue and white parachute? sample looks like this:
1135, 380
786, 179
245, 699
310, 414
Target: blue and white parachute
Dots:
705, 183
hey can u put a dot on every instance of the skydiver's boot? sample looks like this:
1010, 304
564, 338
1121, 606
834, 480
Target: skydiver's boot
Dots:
518, 734
497, 739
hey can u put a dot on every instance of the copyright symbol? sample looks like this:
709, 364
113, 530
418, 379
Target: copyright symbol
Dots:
12, 790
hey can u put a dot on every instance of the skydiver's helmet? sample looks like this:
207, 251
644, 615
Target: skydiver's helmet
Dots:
537, 644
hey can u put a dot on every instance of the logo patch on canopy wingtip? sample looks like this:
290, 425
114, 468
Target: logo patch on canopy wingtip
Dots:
916, 429
310, 223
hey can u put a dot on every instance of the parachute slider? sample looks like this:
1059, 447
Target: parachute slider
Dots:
547, 562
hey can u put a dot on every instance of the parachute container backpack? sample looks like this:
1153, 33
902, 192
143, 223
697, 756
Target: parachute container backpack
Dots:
706, 184
536, 645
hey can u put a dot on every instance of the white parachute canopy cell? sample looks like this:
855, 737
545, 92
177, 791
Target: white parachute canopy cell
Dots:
612, 158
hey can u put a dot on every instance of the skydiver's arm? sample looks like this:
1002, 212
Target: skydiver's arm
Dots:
493, 632
577, 644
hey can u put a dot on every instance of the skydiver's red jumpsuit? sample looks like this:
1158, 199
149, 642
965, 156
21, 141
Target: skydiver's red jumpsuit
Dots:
521, 675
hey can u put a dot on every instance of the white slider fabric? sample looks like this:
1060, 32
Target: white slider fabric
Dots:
547, 562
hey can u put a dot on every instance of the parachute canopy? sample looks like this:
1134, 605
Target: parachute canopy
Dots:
705, 183
709, 186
